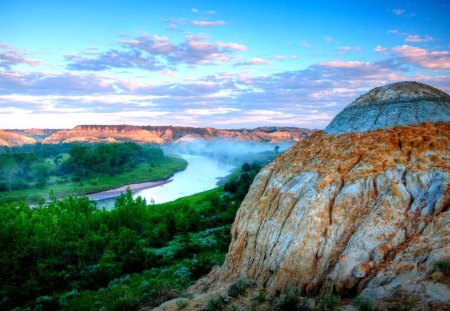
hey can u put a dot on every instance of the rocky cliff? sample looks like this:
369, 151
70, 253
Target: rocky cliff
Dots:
400, 103
172, 134
37, 134
359, 209
12, 139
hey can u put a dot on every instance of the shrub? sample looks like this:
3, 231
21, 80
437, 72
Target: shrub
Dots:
328, 302
215, 303
182, 303
363, 304
289, 301
443, 266
261, 297
242, 285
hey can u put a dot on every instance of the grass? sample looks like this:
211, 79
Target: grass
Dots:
60, 187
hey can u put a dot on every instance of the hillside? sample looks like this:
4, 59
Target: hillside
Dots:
172, 134
12, 139
350, 213
37, 134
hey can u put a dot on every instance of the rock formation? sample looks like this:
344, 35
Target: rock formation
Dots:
12, 139
359, 209
401, 103
172, 134
37, 134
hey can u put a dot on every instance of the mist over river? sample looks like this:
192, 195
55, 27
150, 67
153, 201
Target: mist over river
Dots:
201, 174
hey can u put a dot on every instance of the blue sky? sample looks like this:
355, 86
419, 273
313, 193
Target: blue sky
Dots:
224, 64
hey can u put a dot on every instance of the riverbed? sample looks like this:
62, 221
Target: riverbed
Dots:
201, 174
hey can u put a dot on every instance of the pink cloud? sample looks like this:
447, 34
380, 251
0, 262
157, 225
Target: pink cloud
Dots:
200, 23
433, 60
254, 61
10, 56
380, 49
343, 64
417, 38
349, 48
283, 57
232, 46
168, 73
207, 23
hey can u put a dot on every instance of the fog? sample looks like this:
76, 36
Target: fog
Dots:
230, 151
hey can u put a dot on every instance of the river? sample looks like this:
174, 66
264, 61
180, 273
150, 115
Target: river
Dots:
201, 174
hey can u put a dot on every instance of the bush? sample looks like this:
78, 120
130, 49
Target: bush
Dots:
261, 297
289, 301
363, 304
215, 304
328, 302
443, 266
182, 303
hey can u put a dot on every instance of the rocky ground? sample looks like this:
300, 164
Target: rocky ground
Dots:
359, 215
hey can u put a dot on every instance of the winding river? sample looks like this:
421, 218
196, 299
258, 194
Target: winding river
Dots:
201, 174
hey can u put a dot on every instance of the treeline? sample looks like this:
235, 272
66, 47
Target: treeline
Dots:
87, 161
240, 185
33, 165
54, 252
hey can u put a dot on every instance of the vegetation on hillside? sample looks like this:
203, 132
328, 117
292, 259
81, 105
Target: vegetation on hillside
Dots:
70, 254
31, 172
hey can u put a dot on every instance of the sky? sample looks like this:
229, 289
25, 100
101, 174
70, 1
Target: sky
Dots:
222, 64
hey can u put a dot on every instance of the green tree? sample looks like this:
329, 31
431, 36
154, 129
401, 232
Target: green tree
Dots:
41, 173
10, 170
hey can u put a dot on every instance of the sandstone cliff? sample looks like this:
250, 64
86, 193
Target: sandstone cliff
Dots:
12, 139
172, 134
360, 212
37, 134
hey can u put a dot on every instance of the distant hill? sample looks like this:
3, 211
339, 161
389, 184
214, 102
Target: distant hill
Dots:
10, 139
172, 134
37, 134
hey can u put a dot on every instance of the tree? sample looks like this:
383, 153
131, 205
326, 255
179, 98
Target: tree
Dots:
276, 149
246, 167
9, 172
41, 173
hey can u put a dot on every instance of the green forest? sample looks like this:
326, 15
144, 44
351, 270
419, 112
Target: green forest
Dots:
69, 254
31, 172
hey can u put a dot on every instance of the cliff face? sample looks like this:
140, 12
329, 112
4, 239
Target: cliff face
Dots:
348, 213
12, 139
169, 134
37, 134
103, 133
400, 103
360, 212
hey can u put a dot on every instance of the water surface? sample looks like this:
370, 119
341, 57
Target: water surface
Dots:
201, 174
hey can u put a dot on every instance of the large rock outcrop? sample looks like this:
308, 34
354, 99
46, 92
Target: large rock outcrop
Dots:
401, 103
360, 211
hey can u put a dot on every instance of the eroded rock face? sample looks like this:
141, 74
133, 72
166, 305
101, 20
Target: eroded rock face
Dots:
12, 139
172, 134
402, 103
341, 213
362, 212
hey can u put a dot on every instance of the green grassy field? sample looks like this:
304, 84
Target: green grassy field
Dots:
61, 187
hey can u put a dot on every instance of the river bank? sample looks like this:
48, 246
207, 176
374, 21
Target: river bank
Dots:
59, 188
201, 174
113, 193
